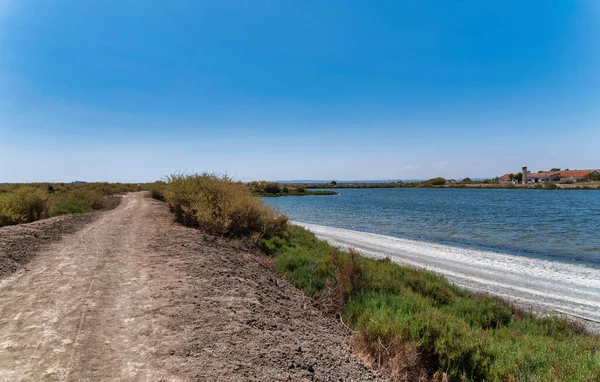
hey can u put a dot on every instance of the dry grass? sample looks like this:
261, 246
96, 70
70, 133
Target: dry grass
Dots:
24, 203
221, 206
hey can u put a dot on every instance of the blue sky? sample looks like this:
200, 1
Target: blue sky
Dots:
136, 90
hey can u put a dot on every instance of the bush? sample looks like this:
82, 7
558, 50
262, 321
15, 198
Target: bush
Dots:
92, 197
24, 205
550, 186
437, 181
222, 206
157, 193
594, 176
272, 188
414, 325
272, 245
70, 208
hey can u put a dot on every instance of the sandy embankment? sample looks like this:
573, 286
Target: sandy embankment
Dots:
541, 285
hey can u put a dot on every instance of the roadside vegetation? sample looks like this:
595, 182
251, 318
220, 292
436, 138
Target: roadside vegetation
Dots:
222, 206
410, 324
26, 203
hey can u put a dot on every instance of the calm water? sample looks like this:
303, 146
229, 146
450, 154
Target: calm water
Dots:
556, 225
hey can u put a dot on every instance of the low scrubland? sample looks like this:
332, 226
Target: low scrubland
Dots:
221, 206
26, 203
410, 324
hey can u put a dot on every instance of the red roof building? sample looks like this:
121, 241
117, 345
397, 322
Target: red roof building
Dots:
576, 174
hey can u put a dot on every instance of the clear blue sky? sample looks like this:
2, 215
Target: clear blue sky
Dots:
135, 90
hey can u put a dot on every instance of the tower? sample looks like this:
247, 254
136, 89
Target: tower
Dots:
524, 172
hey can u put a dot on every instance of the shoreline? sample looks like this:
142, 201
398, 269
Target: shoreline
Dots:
592, 186
543, 286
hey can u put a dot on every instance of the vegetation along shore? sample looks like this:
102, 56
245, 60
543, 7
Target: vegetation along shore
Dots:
445, 183
407, 323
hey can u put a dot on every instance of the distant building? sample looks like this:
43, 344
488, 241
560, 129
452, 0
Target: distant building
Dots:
576, 174
542, 177
548, 176
505, 179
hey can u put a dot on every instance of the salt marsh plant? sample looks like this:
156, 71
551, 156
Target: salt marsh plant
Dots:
222, 206
414, 325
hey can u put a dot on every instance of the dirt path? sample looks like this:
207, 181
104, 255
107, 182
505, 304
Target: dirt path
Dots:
134, 297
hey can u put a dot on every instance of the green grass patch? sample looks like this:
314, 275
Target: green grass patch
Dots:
410, 322
70, 208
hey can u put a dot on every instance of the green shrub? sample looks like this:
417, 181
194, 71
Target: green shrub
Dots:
23, 205
272, 188
222, 206
550, 186
272, 245
70, 208
415, 324
305, 270
157, 193
437, 181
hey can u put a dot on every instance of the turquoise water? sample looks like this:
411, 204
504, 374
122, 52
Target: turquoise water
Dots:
556, 225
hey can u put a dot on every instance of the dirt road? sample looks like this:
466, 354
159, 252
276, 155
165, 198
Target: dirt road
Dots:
134, 297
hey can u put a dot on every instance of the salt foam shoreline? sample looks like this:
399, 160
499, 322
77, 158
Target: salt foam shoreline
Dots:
569, 289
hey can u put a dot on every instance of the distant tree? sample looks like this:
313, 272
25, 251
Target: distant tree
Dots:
272, 188
519, 177
437, 181
467, 180
594, 176
333, 183
555, 169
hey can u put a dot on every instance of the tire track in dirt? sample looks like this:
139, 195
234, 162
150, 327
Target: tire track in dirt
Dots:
71, 315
